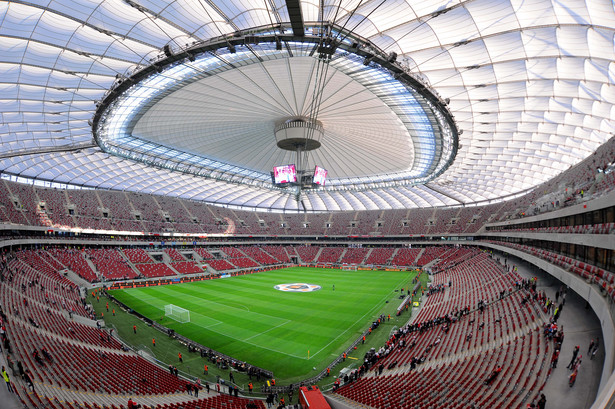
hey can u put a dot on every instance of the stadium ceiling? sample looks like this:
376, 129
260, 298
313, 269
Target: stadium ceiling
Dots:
529, 83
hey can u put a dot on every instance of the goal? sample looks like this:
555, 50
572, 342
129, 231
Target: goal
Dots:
349, 267
179, 314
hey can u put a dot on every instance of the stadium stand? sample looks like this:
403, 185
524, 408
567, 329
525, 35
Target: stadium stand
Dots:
54, 205
259, 255
340, 223
277, 252
20, 205
137, 256
508, 328
429, 255
111, 264
354, 255
366, 222
232, 252
307, 254
406, 256
416, 221
243, 262
379, 256
28, 203
474, 342
203, 253
605, 279
74, 260
11, 208
217, 402
330, 254
155, 270
186, 267
89, 212
508, 333
174, 255
220, 264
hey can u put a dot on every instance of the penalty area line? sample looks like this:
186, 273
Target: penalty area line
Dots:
257, 345
270, 329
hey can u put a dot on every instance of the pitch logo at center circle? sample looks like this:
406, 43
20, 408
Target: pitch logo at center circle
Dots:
297, 287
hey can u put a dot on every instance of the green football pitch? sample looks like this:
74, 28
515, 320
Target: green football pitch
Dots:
247, 318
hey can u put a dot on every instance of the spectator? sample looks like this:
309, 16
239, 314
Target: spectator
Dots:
27, 377
5, 375
493, 375
132, 404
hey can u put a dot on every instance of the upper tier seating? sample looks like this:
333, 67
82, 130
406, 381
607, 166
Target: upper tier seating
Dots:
127, 211
11, 212
55, 206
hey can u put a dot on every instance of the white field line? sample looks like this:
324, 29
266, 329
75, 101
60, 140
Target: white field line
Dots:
363, 317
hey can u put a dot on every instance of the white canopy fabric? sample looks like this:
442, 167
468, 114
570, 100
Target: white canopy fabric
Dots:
530, 83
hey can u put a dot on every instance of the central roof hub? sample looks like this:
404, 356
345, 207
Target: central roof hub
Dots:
299, 133
211, 108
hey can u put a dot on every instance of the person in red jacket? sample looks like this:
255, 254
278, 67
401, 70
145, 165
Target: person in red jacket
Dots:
132, 404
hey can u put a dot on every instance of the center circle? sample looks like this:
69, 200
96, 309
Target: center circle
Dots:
297, 287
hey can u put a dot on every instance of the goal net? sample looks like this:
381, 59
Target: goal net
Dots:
179, 314
348, 267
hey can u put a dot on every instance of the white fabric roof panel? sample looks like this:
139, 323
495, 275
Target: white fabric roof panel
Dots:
541, 100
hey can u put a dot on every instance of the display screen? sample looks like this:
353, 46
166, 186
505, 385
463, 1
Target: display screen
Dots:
320, 176
284, 174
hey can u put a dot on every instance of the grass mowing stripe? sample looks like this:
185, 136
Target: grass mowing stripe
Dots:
264, 332
358, 320
202, 318
270, 328
218, 306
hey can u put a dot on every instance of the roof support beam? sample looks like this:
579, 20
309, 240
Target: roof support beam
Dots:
41, 151
296, 18
430, 186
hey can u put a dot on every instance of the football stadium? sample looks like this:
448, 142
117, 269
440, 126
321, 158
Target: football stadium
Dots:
347, 204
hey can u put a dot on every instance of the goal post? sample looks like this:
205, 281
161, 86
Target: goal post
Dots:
176, 313
349, 267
